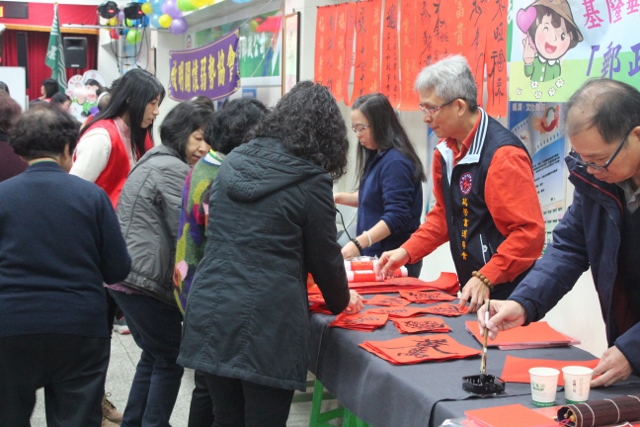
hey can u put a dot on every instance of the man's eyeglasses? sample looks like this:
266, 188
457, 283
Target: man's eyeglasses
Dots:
601, 168
433, 110
359, 128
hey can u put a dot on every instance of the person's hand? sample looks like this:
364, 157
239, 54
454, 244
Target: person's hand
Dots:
391, 260
350, 250
504, 315
528, 51
477, 291
612, 368
355, 303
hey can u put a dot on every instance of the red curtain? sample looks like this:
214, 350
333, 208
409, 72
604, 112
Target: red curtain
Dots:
37, 43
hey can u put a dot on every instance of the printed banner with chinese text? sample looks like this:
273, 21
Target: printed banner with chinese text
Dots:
558, 44
210, 70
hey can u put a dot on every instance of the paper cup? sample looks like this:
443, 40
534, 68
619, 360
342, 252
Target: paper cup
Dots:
577, 383
544, 383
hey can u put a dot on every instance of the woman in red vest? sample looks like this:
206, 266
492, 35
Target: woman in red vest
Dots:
119, 135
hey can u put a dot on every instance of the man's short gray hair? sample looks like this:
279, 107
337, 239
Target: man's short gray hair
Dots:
451, 79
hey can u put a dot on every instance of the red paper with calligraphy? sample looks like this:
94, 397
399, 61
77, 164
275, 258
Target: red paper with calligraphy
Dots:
409, 55
325, 16
426, 297
349, 54
399, 311
496, 58
388, 301
367, 66
421, 324
338, 62
365, 322
414, 349
389, 78
449, 310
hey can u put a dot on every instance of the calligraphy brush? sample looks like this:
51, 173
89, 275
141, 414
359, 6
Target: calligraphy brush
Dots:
483, 360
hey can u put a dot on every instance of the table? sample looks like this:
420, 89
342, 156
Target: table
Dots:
426, 394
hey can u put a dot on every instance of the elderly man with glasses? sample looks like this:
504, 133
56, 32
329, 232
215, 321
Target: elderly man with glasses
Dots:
600, 230
487, 206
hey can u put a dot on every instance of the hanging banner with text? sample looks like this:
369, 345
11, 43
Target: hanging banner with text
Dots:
556, 45
210, 70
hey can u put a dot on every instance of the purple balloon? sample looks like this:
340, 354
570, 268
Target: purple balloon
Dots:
121, 16
178, 26
172, 9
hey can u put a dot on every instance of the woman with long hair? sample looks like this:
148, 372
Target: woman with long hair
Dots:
118, 136
271, 222
148, 211
390, 176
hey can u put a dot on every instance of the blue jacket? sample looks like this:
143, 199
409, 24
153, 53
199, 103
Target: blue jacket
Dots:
589, 235
388, 192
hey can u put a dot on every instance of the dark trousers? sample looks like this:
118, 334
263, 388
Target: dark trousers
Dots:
156, 328
72, 369
201, 409
238, 403
413, 270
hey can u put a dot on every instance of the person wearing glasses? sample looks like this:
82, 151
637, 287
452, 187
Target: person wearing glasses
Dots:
487, 206
390, 176
600, 230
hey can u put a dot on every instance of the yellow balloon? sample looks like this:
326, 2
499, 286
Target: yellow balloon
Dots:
113, 21
165, 20
199, 3
147, 9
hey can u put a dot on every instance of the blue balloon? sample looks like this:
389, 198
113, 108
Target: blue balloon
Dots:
153, 20
156, 4
144, 21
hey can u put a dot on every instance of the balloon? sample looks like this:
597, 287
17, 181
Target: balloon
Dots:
121, 16
185, 5
199, 3
153, 20
113, 21
134, 37
114, 34
157, 4
178, 26
171, 9
147, 9
165, 21
128, 22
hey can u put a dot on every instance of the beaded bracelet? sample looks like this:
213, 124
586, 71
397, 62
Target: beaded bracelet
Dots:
358, 245
483, 279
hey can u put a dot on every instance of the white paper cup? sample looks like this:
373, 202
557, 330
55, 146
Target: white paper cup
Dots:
577, 383
544, 383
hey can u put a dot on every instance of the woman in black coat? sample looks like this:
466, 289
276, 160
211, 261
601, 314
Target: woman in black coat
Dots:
271, 221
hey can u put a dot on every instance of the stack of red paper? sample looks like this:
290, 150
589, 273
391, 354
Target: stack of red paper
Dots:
365, 321
400, 311
421, 324
426, 297
534, 335
515, 415
317, 304
516, 369
415, 349
388, 301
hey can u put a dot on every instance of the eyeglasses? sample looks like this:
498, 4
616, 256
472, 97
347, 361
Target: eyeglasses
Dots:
433, 110
359, 128
601, 168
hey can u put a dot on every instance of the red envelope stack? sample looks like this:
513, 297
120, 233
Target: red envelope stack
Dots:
416, 349
447, 282
365, 322
421, 324
426, 297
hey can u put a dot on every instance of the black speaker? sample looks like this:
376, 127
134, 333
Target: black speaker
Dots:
75, 52
21, 42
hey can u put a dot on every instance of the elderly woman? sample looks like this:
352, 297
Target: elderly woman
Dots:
271, 222
148, 211
59, 242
